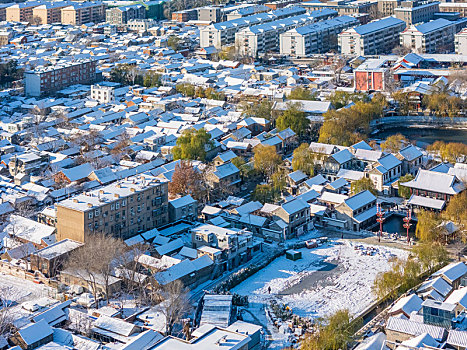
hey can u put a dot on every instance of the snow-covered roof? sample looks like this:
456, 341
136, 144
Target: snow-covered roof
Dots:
435, 182
217, 310
334, 198
459, 296
342, 156
352, 175
297, 176
438, 284
182, 201
410, 153
419, 342
426, 202
457, 338
35, 332
114, 325
407, 305
452, 272
30, 230
360, 200
57, 249
415, 328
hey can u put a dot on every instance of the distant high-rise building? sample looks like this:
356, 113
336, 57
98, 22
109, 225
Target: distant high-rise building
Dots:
375, 38
123, 14
83, 12
121, 209
414, 11
48, 80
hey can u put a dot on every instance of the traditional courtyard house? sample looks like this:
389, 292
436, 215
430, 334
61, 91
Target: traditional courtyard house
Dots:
49, 260
411, 158
236, 245
225, 177
296, 214
384, 172
358, 210
183, 208
432, 190
339, 160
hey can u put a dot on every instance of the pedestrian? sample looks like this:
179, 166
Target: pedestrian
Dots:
269, 289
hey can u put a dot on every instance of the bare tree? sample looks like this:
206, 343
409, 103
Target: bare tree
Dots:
36, 20
175, 304
6, 313
95, 262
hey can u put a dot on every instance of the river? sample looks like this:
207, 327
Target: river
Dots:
425, 136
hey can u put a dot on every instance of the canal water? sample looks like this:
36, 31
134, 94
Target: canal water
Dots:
425, 136
394, 224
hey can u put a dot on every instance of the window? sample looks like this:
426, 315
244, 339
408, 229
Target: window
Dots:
97, 212
198, 238
123, 202
117, 205
90, 215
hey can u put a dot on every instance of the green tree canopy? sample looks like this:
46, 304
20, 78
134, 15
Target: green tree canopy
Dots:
264, 194
192, 145
431, 255
350, 125
334, 332
341, 99
427, 223
394, 143
304, 159
294, 118
258, 109
300, 93
404, 192
10, 72
362, 185
266, 160
173, 42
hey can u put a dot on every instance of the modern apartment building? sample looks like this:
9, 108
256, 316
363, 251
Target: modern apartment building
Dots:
245, 11
102, 93
47, 80
371, 75
123, 14
460, 7
49, 12
21, 12
414, 11
121, 209
185, 15
343, 8
318, 37
223, 33
433, 37
264, 37
83, 12
460, 42
3, 8
140, 25
210, 14
387, 7
374, 38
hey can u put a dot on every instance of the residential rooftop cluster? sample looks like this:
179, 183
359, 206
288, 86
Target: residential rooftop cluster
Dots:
144, 122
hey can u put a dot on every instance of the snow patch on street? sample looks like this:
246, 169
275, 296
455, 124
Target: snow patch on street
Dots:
334, 276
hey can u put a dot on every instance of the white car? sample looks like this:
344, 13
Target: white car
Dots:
30, 306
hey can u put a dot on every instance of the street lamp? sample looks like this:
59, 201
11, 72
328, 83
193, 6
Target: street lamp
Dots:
380, 218
407, 223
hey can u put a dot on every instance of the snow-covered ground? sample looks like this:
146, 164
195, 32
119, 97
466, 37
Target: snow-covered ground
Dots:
328, 278
17, 291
